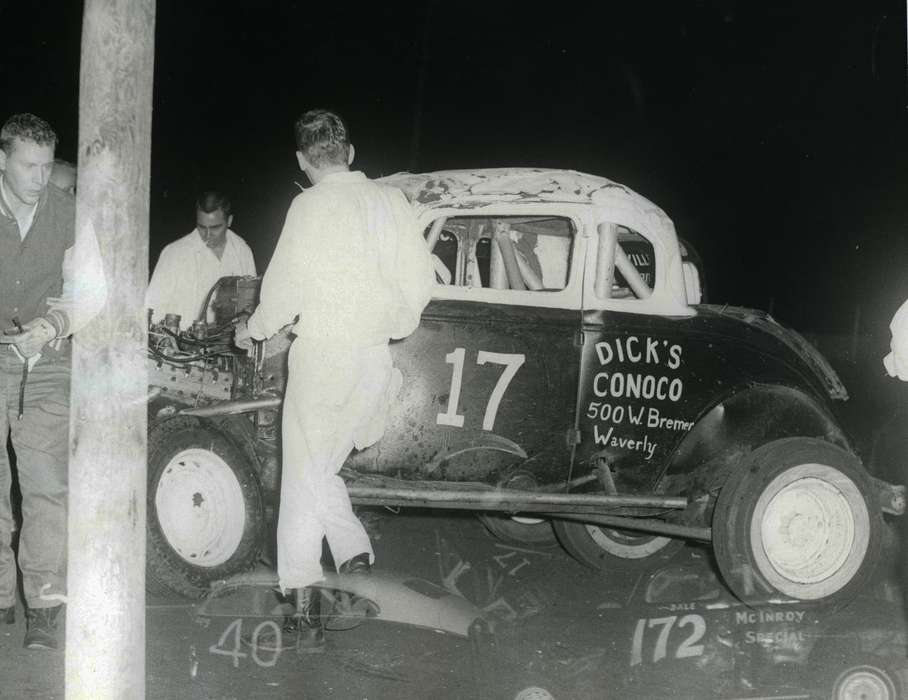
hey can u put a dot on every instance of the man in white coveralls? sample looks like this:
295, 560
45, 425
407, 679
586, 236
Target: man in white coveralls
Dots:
352, 269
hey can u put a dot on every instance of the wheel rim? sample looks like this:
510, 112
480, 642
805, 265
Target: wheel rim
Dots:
864, 683
200, 507
624, 544
810, 531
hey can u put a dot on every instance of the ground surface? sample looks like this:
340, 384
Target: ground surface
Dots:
552, 632
552, 615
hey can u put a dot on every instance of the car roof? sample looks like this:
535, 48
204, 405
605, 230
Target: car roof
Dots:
478, 188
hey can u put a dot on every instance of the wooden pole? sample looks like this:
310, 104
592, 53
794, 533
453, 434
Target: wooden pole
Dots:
105, 628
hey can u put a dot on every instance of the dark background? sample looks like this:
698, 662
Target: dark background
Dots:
773, 136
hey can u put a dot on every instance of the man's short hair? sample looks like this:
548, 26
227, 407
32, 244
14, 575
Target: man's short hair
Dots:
212, 200
322, 138
26, 127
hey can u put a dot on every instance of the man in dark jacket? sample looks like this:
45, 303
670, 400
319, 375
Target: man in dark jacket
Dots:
38, 263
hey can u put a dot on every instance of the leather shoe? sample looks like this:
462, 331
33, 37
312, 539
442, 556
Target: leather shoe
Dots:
41, 632
8, 615
357, 566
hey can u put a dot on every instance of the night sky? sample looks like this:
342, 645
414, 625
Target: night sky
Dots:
774, 138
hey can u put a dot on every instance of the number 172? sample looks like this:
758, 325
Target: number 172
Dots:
686, 649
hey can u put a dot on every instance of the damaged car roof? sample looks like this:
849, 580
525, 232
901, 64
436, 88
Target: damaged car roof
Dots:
484, 187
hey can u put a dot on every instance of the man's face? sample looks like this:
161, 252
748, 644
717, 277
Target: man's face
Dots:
64, 177
26, 169
502, 226
212, 227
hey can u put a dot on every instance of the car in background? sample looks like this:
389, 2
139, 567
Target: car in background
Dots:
564, 382
683, 634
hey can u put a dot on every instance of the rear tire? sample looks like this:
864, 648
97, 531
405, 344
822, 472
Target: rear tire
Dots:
519, 531
205, 510
609, 549
800, 521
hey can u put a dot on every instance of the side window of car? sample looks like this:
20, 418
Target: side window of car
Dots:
626, 265
444, 256
503, 252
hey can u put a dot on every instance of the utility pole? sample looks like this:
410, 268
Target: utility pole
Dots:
105, 627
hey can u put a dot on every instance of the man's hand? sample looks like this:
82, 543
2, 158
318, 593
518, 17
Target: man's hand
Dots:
242, 338
34, 336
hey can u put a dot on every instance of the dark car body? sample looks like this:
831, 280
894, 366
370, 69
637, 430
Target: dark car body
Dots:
563, 352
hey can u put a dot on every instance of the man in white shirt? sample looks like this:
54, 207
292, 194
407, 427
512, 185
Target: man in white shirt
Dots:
51, 284
188, 268
351, 270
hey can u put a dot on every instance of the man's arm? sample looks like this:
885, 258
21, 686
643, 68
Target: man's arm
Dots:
247, 259
84, 285
163, 282
279, 299
415, 269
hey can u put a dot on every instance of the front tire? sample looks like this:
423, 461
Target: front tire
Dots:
799, 521
870, 678
205, 510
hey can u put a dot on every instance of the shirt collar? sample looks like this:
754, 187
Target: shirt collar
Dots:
8, 210
342, 176
4, 198
200, 244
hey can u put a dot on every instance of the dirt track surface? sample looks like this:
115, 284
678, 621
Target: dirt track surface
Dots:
552, 633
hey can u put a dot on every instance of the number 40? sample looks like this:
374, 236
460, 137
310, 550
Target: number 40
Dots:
511, 362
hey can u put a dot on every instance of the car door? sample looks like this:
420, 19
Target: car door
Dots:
642, 380
490, 375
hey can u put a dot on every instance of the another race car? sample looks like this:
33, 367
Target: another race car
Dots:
681, 634
564, 382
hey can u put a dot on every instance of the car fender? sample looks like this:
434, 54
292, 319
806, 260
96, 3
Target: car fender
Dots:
743, 419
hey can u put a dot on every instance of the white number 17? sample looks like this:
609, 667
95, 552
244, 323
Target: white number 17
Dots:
511, 362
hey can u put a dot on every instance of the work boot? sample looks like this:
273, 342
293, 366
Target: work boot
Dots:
41, 627
8, 615
311, 638
303, 631
274, 640
357, 566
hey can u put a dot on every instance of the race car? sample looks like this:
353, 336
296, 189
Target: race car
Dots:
682, 634
564, 382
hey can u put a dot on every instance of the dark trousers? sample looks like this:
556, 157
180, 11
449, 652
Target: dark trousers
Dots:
41, 443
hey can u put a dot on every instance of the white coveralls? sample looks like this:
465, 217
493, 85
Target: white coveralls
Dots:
351, 262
